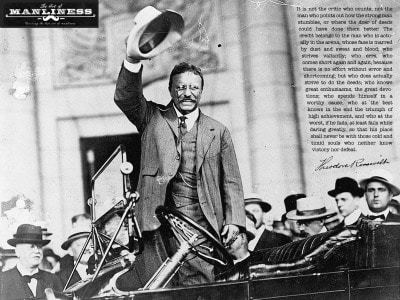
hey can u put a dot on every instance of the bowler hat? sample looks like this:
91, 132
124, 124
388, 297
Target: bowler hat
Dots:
76, 234
290, 201
309, 208
255, 198
28, 234
153, 32
346, 184
382, 176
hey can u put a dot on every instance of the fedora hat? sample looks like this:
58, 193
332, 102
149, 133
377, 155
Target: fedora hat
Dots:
153, 32
346, 184
382, 176
77, 233
256, 198
309, 208
28, 234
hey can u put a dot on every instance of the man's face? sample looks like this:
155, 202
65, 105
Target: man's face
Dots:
186, 91
293, 226
257, 212
347, 203
378, 196
309, 228
76, 248
30, 255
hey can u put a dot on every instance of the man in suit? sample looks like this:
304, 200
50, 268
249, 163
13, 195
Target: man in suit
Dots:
292, 226
188, 160
347, 194
263, 238
379, 190
26, 280
313, 216
74, 245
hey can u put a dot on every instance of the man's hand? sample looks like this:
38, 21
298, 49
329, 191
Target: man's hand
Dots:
128, 58
228, 232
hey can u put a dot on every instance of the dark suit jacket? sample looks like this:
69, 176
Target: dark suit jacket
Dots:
14, 287
270, 239
392, 217
64, 275
219, 183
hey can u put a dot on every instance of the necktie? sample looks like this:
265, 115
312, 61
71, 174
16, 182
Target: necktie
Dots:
373, 217
27, 278
182, 125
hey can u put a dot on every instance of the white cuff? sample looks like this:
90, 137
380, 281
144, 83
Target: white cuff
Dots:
134, 68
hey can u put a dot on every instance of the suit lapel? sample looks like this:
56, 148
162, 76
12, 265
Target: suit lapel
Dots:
172, 119
21, 282
204, 138
39, 286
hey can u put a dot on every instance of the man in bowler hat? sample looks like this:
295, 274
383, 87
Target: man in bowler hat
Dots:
264, 238
292, 225
347, 194
26, 280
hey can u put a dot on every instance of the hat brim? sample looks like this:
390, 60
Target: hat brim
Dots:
161, 39
264, 205
73, 238
14, 242
395, 190
358, 192
292, 215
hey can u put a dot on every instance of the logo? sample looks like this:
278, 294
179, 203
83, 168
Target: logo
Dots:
33, 14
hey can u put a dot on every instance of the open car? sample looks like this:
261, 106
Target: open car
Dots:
359, 262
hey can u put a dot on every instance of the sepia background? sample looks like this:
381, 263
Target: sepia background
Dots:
58, 121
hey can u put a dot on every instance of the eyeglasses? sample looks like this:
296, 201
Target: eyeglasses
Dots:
182, 88
235, 236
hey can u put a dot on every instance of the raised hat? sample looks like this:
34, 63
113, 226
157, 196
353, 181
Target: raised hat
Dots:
256, 198
346, 184
382, 176
309, 208
76, 234
28, 234
153, 32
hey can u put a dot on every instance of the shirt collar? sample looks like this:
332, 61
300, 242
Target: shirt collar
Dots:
385, 212
235, 261
25, 271
253, 242
353, 217
191, 117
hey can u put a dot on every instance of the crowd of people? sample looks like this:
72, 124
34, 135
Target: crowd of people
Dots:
188, 163
38, 267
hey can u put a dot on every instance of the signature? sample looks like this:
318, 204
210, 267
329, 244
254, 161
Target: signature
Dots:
327, 163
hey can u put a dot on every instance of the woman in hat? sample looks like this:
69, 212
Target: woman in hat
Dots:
26, 280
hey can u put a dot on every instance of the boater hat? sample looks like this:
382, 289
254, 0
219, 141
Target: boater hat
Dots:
346, 184
382, 176
153, 32
309, 208
28, 234
76, 234
255, 198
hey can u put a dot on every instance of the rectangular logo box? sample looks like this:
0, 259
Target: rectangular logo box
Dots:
49, 14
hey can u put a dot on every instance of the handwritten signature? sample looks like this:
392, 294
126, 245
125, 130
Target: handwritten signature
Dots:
327, 163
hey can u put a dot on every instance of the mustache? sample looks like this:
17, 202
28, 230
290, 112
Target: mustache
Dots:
187, 99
